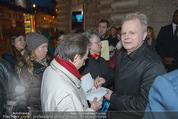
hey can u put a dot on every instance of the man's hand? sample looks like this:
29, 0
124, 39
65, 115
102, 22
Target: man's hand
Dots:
168, 60
99, 81
108, 94
96, 105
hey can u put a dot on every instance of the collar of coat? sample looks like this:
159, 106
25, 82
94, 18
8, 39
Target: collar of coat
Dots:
69, 76
137, 52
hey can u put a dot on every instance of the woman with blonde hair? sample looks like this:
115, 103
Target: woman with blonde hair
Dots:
15, 48
30, 69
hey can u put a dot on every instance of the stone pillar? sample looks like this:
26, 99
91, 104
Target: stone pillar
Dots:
121, 8
92, 14
63, 16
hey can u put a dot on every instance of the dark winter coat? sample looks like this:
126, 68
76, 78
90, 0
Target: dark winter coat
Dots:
134, 75
9, 58
96, 67
10, 87
33, 84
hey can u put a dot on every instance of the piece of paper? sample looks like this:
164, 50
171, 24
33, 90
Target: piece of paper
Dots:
105, 50
90, 90
99, 93
87, 82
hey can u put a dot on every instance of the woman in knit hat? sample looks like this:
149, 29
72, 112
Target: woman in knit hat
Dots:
32, 66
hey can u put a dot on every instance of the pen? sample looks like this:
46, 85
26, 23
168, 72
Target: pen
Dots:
89, 91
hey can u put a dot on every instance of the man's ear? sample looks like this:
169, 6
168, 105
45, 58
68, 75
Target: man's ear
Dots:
144, 35
76, 57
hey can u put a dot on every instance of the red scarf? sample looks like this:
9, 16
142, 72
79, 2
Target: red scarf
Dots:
94, 55
69, 66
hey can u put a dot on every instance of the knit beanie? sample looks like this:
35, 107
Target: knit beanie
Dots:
34, 40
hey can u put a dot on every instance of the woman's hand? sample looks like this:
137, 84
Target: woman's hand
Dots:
99, 81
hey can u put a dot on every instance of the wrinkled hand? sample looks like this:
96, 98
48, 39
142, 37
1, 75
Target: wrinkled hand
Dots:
168, 60
108, 94
96, 105
99, 81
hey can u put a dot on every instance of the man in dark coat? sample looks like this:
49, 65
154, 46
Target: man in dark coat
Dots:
167, 42
136, 68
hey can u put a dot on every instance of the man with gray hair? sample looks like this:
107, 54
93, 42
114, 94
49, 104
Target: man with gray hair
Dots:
136, 68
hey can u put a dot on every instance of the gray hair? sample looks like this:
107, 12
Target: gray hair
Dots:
72, 45
91, 34
141, 17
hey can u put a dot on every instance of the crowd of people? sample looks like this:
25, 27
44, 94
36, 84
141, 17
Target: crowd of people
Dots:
139, 77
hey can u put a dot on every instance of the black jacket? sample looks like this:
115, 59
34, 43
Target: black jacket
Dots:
96, 67
134, 75
32, 83
167, 46
10, 58
10, 88
113, 41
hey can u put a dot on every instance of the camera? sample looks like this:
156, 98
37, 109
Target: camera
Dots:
147, 37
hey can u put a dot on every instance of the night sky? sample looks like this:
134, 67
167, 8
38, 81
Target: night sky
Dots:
44, 3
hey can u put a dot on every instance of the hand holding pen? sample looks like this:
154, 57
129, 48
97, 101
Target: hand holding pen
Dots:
99, 81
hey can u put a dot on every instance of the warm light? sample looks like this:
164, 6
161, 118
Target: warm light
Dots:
34, 5
53, 17
56, 10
